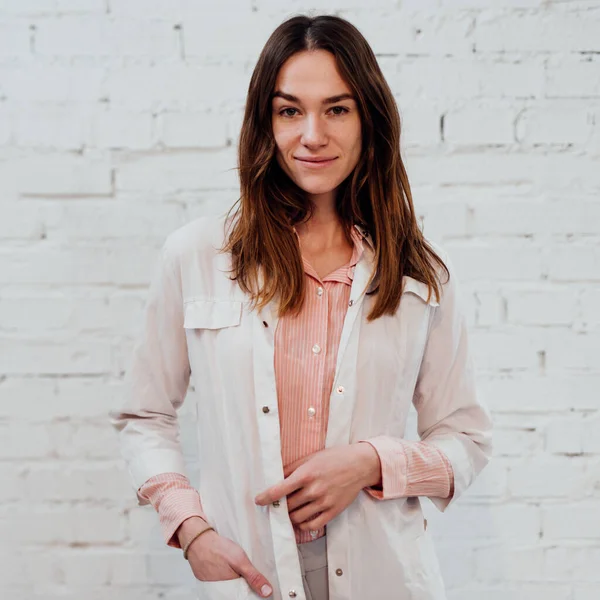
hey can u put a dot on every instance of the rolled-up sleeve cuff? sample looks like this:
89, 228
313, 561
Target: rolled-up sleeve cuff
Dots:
393, 468
177, 506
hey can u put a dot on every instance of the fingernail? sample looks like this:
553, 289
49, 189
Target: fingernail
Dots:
266, 590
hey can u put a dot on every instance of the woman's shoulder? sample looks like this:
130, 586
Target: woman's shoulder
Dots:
202, 235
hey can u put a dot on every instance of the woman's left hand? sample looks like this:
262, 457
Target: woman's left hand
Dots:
321, 485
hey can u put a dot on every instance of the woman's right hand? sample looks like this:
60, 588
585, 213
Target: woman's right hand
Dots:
213, 557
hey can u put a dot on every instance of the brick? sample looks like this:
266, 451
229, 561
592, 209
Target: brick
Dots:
476, 260
19, 441
567, 350
174, 86
571, 125
56, 398
38, 8
508, 76
514, 522
579, 564
499, 564
546, 477
175, 172
425, 33
122, 129
541, 307
14, 40
479, 125
24, 357
55, 482
103, 220
573, 521
572, 262
527, 393
193, 130
63, 174
516, 442
548, 31
96, 36
53, 83
572, 76
52, 127
20, 222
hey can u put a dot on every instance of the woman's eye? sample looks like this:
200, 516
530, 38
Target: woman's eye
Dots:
342, 108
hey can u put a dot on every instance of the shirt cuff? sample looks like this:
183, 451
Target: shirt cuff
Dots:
175, 500
410, 468
176, 507
393, 468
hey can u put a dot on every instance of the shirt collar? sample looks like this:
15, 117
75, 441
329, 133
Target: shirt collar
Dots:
362, 240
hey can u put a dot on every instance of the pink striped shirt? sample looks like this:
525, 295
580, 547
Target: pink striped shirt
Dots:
305, 359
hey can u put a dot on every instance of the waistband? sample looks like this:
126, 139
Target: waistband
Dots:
314, 554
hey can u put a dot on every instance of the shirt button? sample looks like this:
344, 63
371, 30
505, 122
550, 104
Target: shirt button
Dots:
340, 389
311, 412
319, 291
351, 303
292, 594
276, 503
316, 348
339, 572
265, 409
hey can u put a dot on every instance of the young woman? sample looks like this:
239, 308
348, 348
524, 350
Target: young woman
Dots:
310, 320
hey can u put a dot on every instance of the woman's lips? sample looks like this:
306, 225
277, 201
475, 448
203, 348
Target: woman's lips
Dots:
316, 165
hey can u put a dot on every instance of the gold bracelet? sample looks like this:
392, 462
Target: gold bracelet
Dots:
187, 546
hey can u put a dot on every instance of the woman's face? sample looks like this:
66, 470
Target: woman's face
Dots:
315, 116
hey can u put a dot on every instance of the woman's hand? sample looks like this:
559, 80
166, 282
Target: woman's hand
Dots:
213, 557
320, 486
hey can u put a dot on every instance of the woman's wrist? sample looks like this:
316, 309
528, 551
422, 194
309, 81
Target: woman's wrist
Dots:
189, 528
372, 464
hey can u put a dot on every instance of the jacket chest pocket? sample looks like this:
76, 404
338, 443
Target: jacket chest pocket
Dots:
218, 339
211, 314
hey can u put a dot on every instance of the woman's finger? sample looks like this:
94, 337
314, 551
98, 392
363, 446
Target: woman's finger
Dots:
308, 511
319, 521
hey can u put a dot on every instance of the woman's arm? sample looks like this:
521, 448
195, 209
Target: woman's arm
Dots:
454, 425
156, 382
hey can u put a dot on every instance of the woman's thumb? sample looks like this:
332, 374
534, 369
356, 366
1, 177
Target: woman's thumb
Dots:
256, 580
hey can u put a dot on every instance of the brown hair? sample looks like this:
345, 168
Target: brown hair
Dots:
376, 195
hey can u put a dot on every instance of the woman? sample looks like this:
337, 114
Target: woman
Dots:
310, 321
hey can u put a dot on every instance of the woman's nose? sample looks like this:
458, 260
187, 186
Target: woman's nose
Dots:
314, 131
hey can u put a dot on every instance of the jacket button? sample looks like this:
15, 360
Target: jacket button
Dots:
276, 503
265, 409
292, 594
339, 572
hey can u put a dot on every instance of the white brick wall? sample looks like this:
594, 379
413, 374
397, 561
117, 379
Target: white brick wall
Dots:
118, 123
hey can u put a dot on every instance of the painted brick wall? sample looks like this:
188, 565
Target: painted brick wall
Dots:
118, 123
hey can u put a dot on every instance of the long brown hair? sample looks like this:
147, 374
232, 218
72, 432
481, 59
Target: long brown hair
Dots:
376, 195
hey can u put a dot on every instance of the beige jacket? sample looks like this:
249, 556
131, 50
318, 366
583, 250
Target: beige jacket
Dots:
198, 321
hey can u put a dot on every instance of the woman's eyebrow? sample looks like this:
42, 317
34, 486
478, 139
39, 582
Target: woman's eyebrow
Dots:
331, 100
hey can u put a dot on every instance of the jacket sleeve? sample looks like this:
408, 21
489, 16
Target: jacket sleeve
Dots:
450, 415
156, 382
410, 468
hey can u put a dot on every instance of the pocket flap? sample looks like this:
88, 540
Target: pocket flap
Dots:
211, 314
420, 289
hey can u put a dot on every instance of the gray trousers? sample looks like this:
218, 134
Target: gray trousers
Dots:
313, 561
